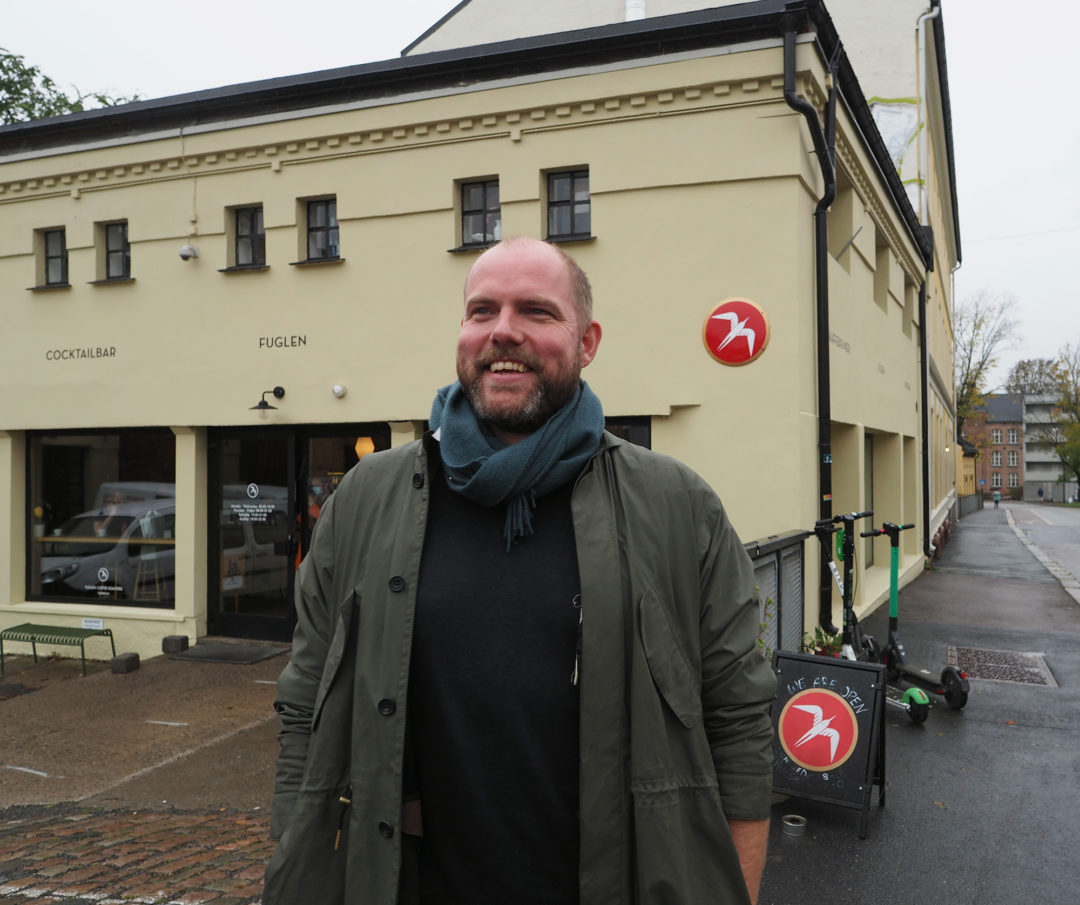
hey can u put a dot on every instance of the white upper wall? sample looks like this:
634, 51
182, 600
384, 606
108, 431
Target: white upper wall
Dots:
879, 37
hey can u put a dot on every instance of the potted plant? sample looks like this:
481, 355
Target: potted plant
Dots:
822, 643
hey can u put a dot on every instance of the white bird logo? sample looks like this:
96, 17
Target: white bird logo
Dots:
738, 328
820, 727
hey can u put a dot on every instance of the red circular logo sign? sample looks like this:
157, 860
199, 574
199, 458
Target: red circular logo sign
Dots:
817, 729
736, 332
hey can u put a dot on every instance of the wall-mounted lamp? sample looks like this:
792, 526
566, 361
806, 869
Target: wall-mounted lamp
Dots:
339, 390
187, 252
279, 393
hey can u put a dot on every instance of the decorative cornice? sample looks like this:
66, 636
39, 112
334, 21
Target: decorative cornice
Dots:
512, 124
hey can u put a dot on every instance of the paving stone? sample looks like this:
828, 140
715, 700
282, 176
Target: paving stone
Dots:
123, 858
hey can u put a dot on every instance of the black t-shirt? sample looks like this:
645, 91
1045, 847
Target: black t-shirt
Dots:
493, 711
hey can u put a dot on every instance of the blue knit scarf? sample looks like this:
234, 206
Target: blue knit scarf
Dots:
489, 472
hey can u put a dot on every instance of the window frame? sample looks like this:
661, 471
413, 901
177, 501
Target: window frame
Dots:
1014, 436
256, 236
333, 226
570, 203
62, 256
995, 435
487, 187
124, 250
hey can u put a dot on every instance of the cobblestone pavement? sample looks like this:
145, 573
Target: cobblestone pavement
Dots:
67, 855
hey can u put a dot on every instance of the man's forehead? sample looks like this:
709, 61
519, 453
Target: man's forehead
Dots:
533, 261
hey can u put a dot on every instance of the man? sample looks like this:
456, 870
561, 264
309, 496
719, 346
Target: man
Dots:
524, 668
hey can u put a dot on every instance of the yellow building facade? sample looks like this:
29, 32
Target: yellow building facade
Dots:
216, 303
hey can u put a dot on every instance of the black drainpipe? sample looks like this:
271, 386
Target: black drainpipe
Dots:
823, 148
924, 379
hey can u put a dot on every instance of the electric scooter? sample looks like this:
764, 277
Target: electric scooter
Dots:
854, 644
953, 685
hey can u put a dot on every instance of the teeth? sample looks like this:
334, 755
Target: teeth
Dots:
508, 366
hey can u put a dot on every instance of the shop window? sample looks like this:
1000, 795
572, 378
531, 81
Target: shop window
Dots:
101, 520
323, 236
481, 213
569, 208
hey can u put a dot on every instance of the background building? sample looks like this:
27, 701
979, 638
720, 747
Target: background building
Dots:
1043, 470
999, 429
216, 303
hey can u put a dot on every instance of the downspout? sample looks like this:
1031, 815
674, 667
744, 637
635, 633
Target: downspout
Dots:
924, 217
924, 379
823, 150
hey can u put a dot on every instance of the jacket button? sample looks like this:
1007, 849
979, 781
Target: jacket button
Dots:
418, 480
386, 830
397, 584
387, 707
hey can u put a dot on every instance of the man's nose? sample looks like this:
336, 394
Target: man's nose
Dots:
507, 328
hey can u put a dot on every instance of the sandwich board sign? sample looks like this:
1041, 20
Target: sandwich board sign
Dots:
829, 730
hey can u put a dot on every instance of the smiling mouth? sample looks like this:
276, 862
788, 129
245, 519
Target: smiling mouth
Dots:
517, 366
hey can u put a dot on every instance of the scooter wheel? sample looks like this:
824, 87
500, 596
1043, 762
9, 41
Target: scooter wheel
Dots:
955, 696
918, 713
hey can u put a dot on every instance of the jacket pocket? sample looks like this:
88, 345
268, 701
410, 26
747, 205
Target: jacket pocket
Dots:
335, 654
671, 670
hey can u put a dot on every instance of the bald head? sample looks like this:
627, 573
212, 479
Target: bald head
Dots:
579, 287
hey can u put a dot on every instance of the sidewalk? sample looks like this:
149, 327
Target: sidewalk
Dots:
981, 802
154, 787
149, 787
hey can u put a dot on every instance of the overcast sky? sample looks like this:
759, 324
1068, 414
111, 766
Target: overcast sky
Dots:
1011, 81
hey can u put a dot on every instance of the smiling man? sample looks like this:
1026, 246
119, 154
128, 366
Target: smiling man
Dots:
524, 668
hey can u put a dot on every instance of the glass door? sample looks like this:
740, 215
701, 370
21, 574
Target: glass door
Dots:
253, 534
268, 488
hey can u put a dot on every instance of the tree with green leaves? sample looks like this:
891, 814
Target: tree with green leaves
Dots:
982, 328
26, 93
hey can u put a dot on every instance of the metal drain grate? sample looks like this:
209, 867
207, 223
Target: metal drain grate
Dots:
1002, 665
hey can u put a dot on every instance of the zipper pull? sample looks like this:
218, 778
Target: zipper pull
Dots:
345, 800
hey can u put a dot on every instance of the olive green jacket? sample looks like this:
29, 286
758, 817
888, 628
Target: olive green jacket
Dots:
675, 697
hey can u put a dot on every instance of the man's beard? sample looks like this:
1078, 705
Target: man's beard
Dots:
552, 392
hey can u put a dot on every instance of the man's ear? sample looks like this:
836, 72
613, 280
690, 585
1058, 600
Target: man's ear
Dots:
589, 342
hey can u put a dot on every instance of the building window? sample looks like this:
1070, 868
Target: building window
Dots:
250, 237
569, 213
995, 458
117, 252
481, 214
635, 429
322, 230
1014, 479
1014, 437
1014, 458
101, 520
995, 436
54, 246
995, 479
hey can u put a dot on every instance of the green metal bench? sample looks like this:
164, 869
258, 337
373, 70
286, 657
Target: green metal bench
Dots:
52, 634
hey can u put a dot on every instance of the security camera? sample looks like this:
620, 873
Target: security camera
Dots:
187, 252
